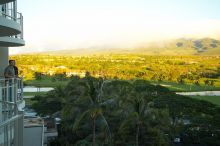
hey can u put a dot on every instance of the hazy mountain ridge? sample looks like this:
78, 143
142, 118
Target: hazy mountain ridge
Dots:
182, 46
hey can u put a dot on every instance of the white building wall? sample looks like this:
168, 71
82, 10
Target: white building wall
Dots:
3, 60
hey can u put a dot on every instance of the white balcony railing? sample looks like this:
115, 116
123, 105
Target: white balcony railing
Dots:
18, 19
11, 114
8, 11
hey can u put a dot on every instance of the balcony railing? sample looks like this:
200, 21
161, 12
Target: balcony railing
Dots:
18, 19
11, 90
11, 114
11, 14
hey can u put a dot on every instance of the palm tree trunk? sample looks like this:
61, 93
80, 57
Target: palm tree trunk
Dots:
93, 136
137, 134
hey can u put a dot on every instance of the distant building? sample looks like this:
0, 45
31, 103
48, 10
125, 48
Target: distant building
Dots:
80, 74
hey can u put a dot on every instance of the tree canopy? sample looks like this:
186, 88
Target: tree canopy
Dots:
96, 111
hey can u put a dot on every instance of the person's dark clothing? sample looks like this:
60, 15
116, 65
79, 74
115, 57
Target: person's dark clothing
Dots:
16, 71
9, 72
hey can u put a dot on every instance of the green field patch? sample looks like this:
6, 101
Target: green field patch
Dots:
177, 87
33, 93
212, 99
45, 83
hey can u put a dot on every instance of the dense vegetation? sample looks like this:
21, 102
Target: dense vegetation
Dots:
193, 70
116, 100
96, 111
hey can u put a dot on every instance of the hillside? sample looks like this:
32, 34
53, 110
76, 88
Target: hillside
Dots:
183, 46
205, 46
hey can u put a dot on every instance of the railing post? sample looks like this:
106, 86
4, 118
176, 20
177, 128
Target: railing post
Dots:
22, 30
15, 10
22, 88
1, 98
6, 135
12, 94
16, 132
15, 90
7, 98
21, 128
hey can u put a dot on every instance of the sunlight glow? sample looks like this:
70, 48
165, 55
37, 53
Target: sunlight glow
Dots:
113, 24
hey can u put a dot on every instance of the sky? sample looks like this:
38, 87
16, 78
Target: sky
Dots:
71, 24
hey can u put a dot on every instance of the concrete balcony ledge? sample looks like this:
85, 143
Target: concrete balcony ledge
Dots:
11, 42
9, 27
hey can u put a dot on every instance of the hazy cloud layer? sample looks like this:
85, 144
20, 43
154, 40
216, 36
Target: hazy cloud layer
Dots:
116, 23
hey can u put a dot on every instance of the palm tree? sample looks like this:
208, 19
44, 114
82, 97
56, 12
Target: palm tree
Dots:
138, 108
85, 97
117, 91
137, 115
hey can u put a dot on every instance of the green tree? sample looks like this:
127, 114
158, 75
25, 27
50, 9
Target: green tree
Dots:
50, 103
38, 75
139, 110
85, 97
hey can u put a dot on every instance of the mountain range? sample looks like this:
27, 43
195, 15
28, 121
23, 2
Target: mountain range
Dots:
182, 46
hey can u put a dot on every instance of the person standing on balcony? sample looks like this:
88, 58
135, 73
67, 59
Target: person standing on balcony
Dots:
10, 74
10, 70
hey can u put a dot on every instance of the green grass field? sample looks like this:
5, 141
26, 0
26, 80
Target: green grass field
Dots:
187, 87
33, 93
173, 86
45, 83
212, 99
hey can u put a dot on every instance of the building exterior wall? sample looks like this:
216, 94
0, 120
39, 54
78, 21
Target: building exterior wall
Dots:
11, 97
3, 60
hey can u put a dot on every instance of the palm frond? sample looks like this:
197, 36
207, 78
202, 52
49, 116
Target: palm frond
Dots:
78, 121
107, 126
132, 117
